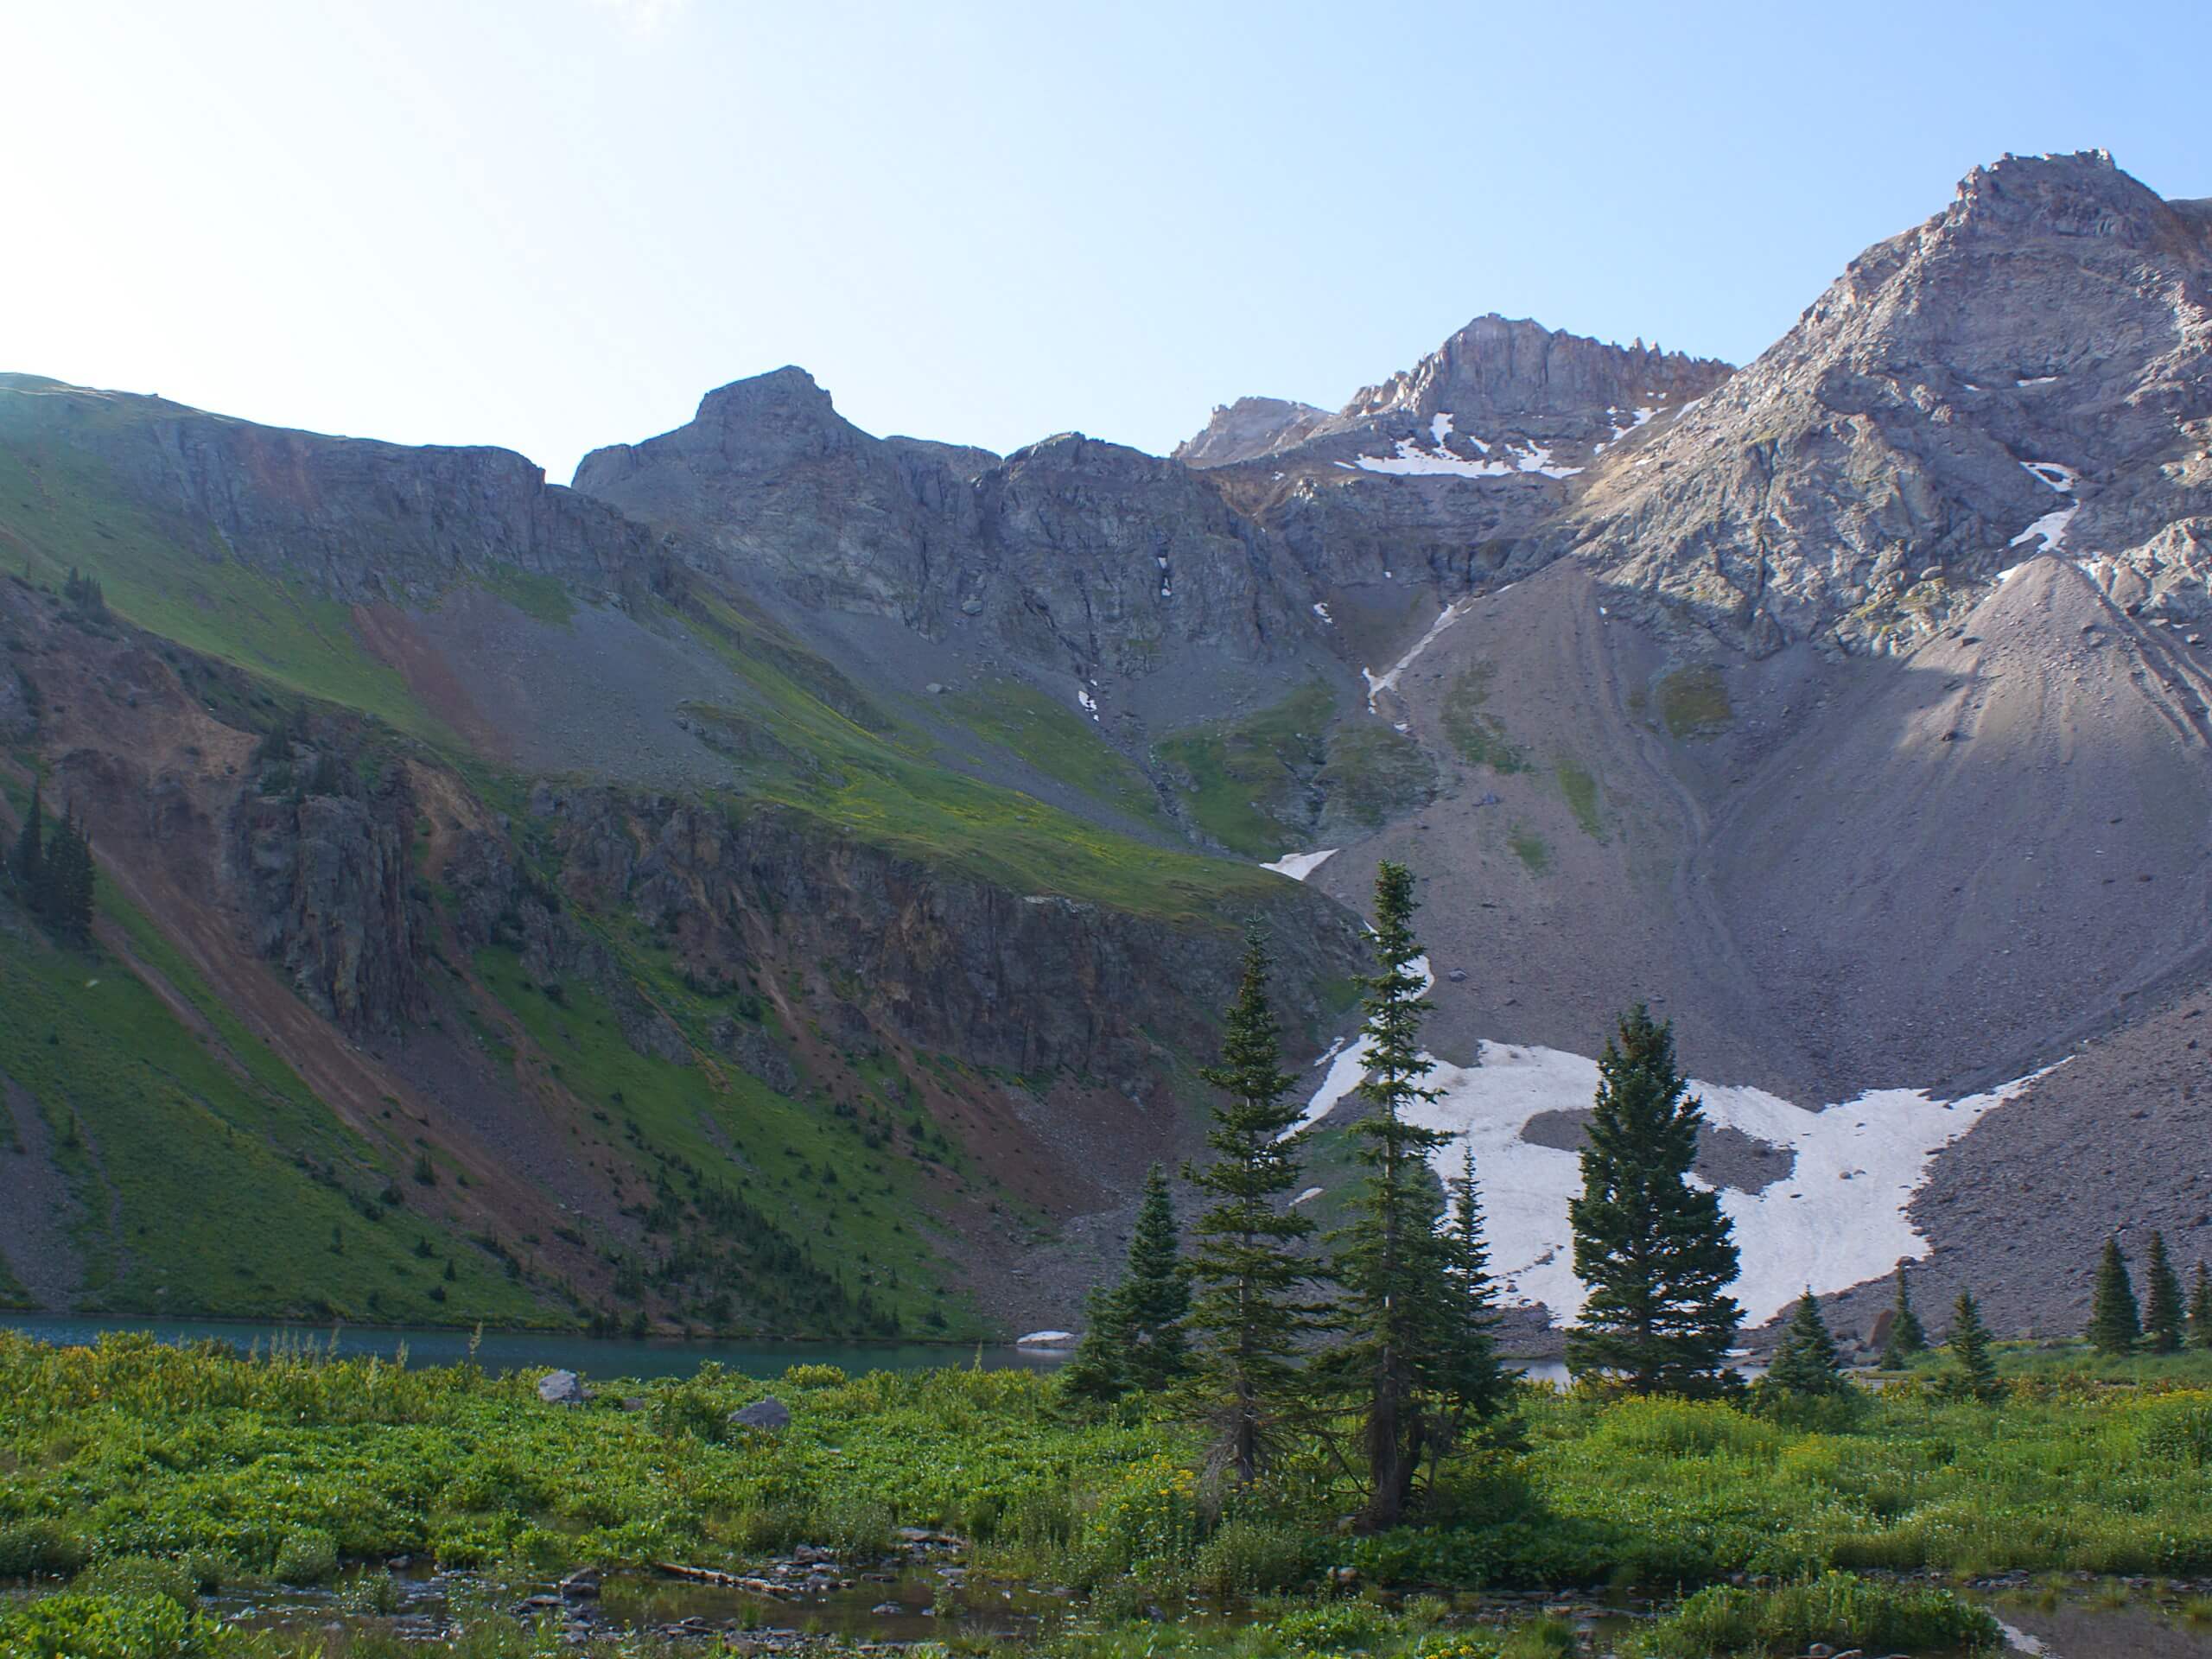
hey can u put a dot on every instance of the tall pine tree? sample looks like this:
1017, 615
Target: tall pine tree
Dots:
1906, 1337
2115, 1322
1392, 1261
1247, 1314
1468, 1382
1136, 1341
2200, 1308
1805, 1362
1655, 1254
1972, 1372
2163, 1313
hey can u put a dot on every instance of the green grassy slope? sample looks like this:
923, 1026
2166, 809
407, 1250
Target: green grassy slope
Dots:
209, 1179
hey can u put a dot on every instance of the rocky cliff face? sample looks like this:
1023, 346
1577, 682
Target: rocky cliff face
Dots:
2028, 371
1249, 428
1071, 554
353, 518
325, 881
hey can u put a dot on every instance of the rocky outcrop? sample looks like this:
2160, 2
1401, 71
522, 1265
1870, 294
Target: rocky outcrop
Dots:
1249, 428
353, 518
1521, 374
1071, 554
1031, 984
2029, 371
327, 886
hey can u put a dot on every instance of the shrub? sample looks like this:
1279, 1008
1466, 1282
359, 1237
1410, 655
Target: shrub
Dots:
814, 1377
307, 1555
1838, 1608
74, 1626
139, 1575
1686, 1428
1249, 1557
29, 1546
2177, 1431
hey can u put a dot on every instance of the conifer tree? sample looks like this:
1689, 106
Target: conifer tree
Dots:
1973, 1373
25, 863
2163, 1313
1136, 1341
1807, 1362
1655, 1254
1392, 1260
2115, 1322
2200, 1308
1247, 1315
1907, 1337
1469, 1382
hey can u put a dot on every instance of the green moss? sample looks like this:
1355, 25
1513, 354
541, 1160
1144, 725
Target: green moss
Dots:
1693, 701
1581, 791
1531, 849
1240, 779
1479, 736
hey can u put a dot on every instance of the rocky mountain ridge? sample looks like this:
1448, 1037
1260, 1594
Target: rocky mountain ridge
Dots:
1850, 706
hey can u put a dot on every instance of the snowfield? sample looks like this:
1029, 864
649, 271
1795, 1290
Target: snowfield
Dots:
1299, 866
1836, 1219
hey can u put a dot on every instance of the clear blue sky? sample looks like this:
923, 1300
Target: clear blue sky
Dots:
552, 224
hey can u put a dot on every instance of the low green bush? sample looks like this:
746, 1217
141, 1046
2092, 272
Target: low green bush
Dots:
1838, 1608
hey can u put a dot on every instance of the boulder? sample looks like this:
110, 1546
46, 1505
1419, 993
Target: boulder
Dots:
560, 1389
771, 1414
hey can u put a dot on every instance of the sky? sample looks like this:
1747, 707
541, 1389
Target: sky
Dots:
554, 224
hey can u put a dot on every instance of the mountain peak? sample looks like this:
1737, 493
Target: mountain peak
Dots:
1500, 367
2084, 194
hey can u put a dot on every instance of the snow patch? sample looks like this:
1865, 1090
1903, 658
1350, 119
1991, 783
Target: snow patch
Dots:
2051, 528
1299, 866
1044, 1340
2061, 479
2040, 380
1090, 703
1321, 610
1439, 428
1309, 1193
1378, 686
1838, 1219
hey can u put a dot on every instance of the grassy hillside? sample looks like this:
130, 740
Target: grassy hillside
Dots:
208, 1178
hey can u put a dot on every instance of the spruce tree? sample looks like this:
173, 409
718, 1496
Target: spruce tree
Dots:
1392, 1261
1973, 1372
1655, 1254
1247, 1314
2164, 1314
2114, 1320
1469, 1382
1807, 1362
1906, 1337
28, 857
2200, 1308
1136, 1341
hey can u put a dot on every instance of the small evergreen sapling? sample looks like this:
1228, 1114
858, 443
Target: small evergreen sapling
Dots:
1807, 1362
1136, 1341
1972, 1373
1907, 1338
2163, 1313
2115, 1322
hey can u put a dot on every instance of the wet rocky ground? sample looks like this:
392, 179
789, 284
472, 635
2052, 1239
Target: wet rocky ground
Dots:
923, 1591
